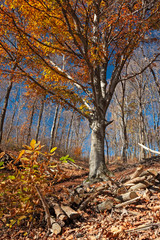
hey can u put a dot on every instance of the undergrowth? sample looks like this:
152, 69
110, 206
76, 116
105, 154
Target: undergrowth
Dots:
19, 198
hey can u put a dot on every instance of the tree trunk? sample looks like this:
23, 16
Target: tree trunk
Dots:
141, 130
12, 119
125, 144
40, 118
69, 132
61, 140
52, 139
107, 147
30, 123
125, 139
97, 166
4, 109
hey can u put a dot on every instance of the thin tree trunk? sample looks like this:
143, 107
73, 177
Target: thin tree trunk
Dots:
20, 107
69, 132
141, 130
125, 139
57, 125
62, 133
30, 124
40, 118
4, 109
107, 147
12, 119
77, 132
52, 138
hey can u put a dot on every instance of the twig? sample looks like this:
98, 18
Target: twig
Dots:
31, 222
144, 227
53, 226
85, 202
45, 206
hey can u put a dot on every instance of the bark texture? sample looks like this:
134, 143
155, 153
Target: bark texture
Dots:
97, 166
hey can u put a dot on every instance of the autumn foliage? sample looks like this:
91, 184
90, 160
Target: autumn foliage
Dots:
19, 198
36, 34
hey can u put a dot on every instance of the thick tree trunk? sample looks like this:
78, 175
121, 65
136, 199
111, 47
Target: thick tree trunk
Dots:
97, 166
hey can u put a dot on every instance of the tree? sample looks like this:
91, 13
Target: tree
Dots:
13, 115
123, 122
40, 117
53, 132
95, 36
6, 99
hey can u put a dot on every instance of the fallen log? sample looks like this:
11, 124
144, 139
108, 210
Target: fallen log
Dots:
137, 173
135, 180
72, 214
148, 172
59, 212
138, 186
106, 205
92, 196
55, 227
77, 195
121, 190
127, 202
128, 196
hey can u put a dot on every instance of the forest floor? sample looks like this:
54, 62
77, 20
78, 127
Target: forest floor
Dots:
140, 220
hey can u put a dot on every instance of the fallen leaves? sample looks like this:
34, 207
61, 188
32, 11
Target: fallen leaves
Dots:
138, 220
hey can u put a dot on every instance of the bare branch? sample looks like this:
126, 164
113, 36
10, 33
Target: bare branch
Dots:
153, 151
138, 73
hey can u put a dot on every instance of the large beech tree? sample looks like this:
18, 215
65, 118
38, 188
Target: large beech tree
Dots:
95, 39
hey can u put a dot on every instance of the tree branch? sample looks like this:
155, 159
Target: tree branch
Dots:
138, 73
153, 151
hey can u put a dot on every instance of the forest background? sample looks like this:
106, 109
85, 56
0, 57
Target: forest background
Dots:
134, 109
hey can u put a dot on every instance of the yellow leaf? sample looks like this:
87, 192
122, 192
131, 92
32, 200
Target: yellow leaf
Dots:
27, 147
53, 149
20, 155
28, 151
32, 144
21, 217
37, 144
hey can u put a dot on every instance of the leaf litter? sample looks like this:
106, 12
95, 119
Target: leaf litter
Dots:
138, 219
